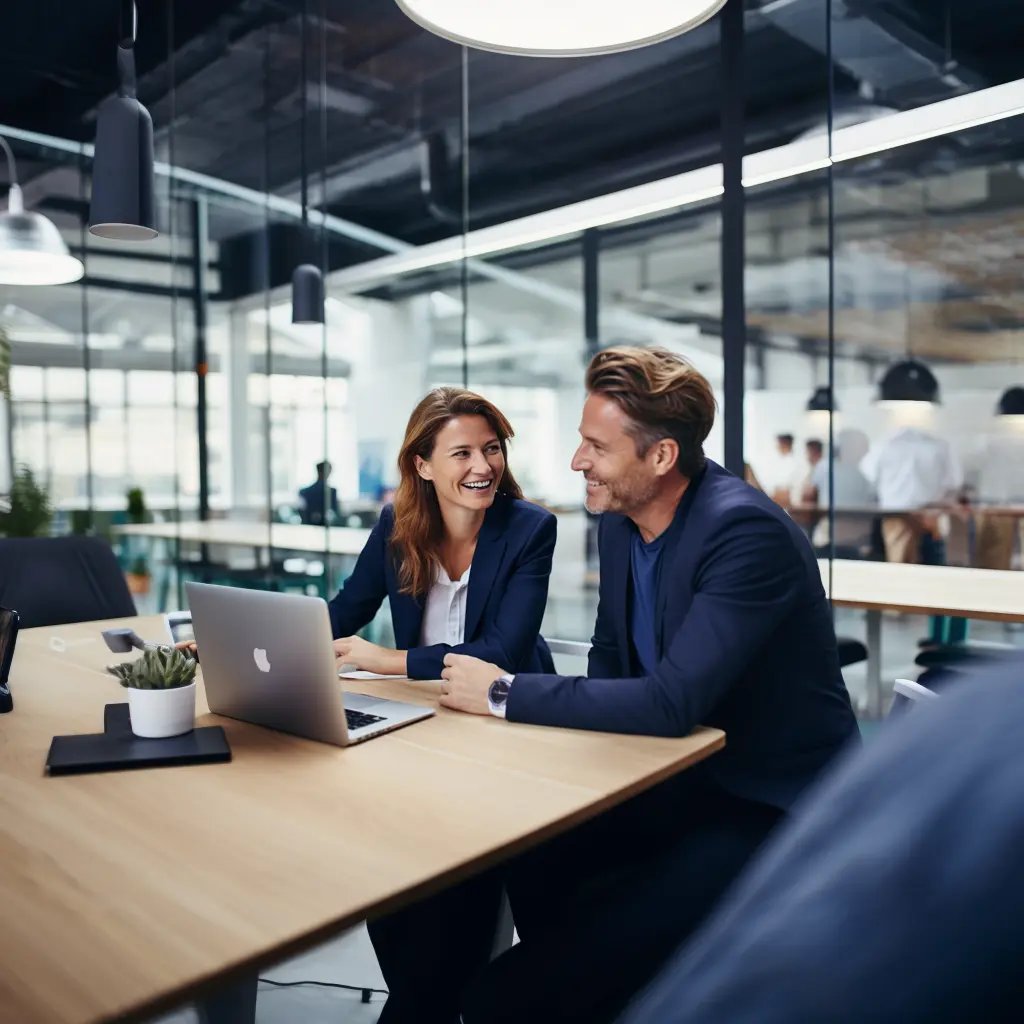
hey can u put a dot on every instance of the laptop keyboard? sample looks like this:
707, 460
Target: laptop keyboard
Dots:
357, 720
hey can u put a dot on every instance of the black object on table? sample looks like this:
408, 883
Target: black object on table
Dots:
9, 622
117, 747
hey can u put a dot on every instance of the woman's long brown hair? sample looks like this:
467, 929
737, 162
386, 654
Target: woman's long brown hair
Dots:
419, 530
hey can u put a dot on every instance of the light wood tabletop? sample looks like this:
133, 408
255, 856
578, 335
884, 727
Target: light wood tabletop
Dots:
926, 589
126, 893
335, 540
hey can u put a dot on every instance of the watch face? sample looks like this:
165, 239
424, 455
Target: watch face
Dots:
499, 690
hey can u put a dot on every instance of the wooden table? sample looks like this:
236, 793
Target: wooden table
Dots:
993, 594
126, 893
334, 540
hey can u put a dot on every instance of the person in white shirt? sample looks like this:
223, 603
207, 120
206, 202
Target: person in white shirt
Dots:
851, 490
912, 469
784, 475
997, 472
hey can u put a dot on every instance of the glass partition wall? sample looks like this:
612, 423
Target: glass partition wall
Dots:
492, 221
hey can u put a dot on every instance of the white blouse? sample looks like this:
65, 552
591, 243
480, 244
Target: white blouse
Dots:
444, 614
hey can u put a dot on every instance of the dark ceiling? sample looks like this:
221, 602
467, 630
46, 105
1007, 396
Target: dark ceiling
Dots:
223, 78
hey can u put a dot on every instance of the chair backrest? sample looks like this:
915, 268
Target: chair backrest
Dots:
53, 580
906, 692
577, 648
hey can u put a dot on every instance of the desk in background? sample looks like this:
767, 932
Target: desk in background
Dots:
992, 594
127, 893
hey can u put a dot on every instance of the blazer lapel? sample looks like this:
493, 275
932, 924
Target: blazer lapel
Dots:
490, 549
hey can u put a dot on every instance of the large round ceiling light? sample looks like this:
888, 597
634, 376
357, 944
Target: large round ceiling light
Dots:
559, 28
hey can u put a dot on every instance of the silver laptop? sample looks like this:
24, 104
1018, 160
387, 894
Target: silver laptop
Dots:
267, 659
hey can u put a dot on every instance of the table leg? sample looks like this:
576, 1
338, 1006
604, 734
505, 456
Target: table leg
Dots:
875, 696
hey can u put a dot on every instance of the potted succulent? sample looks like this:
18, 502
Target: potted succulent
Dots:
138, 576
161, 689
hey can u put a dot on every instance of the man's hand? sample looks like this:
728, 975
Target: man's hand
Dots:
354, 650
466, 682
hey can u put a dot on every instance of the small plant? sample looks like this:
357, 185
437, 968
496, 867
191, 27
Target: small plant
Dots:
5, 364
136, 505
29, 513
160, 668
139, 567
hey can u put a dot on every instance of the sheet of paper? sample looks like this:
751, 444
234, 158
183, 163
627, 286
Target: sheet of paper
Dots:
358, 673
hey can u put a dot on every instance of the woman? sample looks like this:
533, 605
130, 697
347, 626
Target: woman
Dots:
462, 559
464, 563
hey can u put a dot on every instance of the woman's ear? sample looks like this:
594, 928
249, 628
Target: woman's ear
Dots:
423, 468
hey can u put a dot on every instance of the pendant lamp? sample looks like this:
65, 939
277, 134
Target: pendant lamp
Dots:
122, 174
821, 401
307, 281
32, 251
908, 381
559, 28
1011, 402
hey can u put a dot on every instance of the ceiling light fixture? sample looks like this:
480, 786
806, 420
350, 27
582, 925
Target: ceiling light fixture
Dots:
1011, 402
821, 401
122, 205
908, 381
307, 280
32, 251
558, 28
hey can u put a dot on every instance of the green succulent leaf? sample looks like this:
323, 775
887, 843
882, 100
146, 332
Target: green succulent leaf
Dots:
162, 668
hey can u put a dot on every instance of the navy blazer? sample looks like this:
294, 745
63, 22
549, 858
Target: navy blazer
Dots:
893, 895
745, 643
508, 589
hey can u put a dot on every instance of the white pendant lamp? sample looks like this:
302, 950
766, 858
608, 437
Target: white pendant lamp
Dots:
32, 251
559, 28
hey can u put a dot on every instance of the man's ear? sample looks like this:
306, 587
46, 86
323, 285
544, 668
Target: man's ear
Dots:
666, 455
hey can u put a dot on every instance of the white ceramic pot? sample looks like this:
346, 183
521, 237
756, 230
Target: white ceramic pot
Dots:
159, 713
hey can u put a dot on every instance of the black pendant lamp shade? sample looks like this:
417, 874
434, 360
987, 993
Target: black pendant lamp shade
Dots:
307, 281
908, 381
821, 400
1012, 402
307, 295
122, 176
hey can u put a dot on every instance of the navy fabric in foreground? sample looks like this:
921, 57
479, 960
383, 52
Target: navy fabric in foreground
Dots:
895, 895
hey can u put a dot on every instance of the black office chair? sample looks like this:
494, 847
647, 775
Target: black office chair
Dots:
850, 651
54, 580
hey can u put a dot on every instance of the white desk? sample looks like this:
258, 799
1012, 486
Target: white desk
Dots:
991, 594
333, 540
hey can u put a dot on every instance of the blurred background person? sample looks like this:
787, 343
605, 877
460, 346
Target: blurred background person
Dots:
784, 474
997, 473
845, 489
318, 503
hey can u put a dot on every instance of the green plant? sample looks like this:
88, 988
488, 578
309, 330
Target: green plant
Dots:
139, 566
160, 668
136, 505
5, 364
29, 514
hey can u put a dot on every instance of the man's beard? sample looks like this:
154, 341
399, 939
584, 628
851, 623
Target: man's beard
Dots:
625, 496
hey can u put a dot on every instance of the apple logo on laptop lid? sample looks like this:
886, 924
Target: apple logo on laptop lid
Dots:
259, 655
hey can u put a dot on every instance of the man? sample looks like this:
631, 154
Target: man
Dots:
318, 501
711, 610
785, 475
895, 896
913, 469
852, 495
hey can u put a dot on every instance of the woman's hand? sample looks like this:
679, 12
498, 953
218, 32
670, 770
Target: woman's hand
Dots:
354, 650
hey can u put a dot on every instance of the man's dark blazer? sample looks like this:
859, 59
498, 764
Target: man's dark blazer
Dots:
508, 588
745, 641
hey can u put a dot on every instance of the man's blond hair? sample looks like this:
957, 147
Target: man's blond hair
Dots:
663, 396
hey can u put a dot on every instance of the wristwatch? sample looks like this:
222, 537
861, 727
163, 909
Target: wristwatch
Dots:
497, 695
